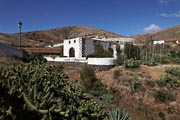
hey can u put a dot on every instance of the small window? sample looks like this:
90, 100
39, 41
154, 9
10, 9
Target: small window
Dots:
74, 41
69, 42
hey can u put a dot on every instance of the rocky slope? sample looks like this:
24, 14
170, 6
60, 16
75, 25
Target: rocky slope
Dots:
169, 34
53, 36
137, 91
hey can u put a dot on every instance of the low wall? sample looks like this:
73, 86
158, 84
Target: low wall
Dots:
101, 61
89, 61
65, 59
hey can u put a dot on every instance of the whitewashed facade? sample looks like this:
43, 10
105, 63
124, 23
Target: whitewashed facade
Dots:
77, 50
82, 47
158, 42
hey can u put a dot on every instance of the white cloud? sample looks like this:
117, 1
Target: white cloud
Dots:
152, 28
171, 14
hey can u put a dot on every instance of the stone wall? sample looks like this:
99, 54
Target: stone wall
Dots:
80, 65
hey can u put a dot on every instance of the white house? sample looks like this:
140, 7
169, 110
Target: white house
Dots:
77, 50
158, 42
82, 47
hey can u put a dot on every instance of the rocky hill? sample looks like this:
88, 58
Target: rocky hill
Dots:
169, 34
142, 93
53, 36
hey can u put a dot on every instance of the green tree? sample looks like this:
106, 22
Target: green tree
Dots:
100, 52
132, 51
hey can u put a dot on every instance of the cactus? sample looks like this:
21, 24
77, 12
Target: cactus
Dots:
43, 90
118, 114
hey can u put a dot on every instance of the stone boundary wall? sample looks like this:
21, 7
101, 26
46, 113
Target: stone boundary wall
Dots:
75, 64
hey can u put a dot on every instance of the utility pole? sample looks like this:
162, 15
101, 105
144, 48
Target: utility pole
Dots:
20, 26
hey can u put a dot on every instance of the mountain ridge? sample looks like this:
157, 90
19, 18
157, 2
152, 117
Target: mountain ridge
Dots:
57, 35
169, 34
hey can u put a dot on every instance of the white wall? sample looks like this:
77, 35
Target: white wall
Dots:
158, 42
75, 43
88, 47
101, 61
65, 59
90, 61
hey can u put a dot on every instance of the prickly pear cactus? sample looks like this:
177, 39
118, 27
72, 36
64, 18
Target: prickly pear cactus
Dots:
43, 91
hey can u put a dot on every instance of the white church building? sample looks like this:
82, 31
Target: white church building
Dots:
77, 50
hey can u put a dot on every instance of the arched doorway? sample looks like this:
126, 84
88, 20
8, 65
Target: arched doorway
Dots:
71, 52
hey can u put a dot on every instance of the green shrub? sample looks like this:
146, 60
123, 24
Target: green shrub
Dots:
97, 89
90, 83
171, 77
174, 71
120, 60
136, 86
150, 63
175, 57
131, 63
161, 83
164, 59
29, 57
106, 98
164, 96
131, 51
100, 52
87, 76
116, 74
162, 115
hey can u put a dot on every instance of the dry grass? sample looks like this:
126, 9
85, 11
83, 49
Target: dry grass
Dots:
141, 104
53, 36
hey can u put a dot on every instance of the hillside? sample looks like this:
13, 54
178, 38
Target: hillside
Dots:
169, 34
53, 36
135, 91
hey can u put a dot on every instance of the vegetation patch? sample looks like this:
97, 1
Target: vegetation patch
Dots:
91, 84
162, 115
131, 63
136, 86
120, 60
164, 96
175, 57
171, 77
119, 114
40, 91
150, 63
116, 74
100, 52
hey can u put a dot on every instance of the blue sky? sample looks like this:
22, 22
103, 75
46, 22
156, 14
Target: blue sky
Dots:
124, 17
